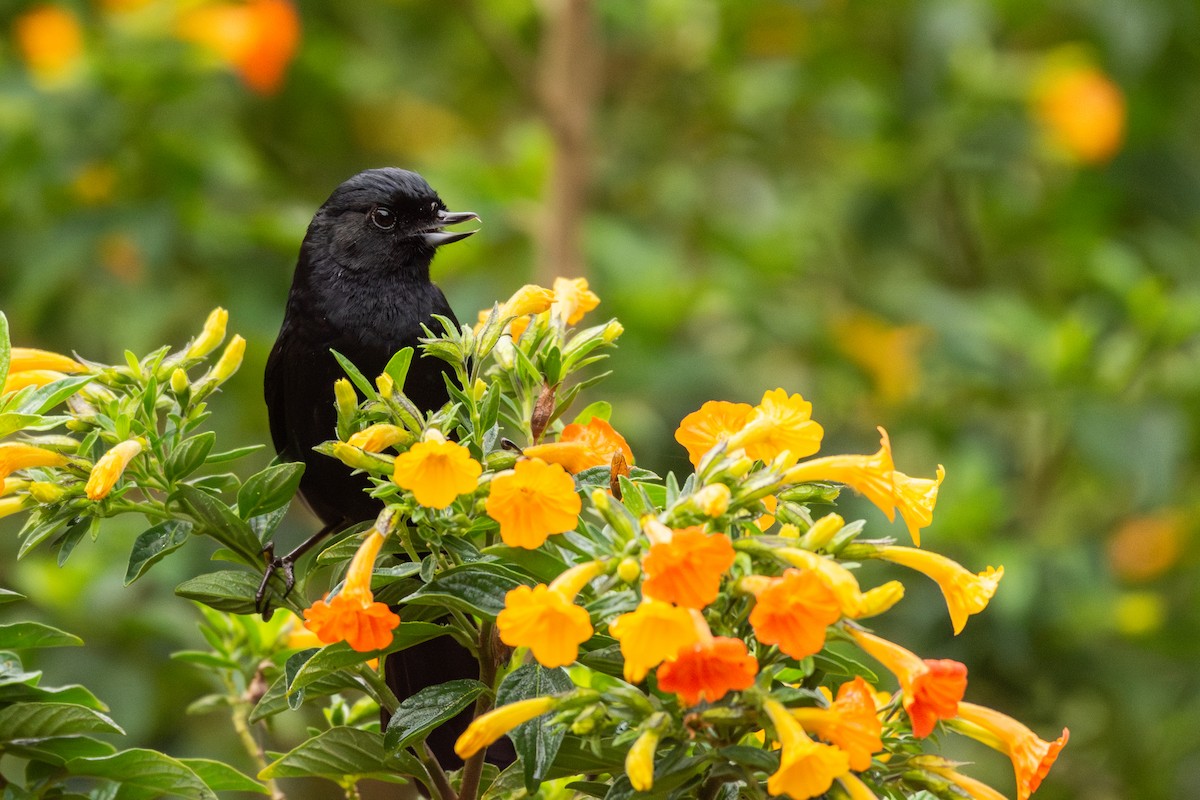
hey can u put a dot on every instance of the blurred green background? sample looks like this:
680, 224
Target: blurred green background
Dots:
974, 223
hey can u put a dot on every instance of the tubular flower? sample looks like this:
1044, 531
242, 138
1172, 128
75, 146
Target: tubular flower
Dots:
915, 498
855, 788
686, 570
851, 723
651, 633
639, 761
975, 789
931, 688
529, 299
581, 447
30, 377
715, 422
210, 336
966, 592
110, 467
572, 299
437, 472
377, 438
870, 475
489, 727
18, 455
532, 502
1031, 756
352, 615
770, 503
545, 618
793, 612
15, 504
840, 580
779, 424
708, 670
22, 359
10, 485
806, 768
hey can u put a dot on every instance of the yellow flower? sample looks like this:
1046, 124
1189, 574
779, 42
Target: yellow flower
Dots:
230, 360
851, 723
379, 437
572, 299
581, 447
966, 593
529, 299
1080, 108
545, 618
15, 504
18, 455
352, 615
17, 381
50, 40
932, 689
780, 424
975, 789
837, 578
1032, 756
855, 788
257, 38
887, 353
532, 502
110, 467
915, 498
806, 768
28, 358
10, 485
715, 422
437, 472
210, 336
489, 727
639, 761
651, 633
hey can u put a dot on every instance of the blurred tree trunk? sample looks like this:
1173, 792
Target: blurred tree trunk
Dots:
567, 88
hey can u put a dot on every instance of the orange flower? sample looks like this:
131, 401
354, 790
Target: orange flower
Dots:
686, 570
715, 422
18, 455
580, 447
352, 615
651, 633
572, 299
931, 688
851, 723
770, 503
966, 593
437, 472
708, 670
806, 768
532, 502
257, 38
793, 611
1032, 757
50, 40
780, 424
545, 618
22, 359
379, 437
110, 467
1081, 109
30, 377
855, 603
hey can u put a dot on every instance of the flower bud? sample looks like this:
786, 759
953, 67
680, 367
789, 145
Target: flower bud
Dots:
478, 390
629, 569
822, 532
47, 493
230, 360
356, 458
179, 381
880, 599
379, 437
386, 385
14, 504
110, 467
345, 397
612, 331
211, 336
712, 500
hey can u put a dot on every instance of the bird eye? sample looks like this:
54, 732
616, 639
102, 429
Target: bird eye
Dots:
383, 218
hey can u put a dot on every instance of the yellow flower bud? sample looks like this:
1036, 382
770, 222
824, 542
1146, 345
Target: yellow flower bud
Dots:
712, 500
491, 726
612, 331
211, 336
14, 504
345, 396
110, 467
385, 385
822, 532
379, 437
880, 599
10, 485
639, 762
230, 360
179, 381
357, 458
47, 493
629, 569
478, 390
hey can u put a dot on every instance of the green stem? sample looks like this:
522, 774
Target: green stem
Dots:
442, 790
379, 689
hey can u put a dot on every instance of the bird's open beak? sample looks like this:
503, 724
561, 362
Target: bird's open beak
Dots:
437, 237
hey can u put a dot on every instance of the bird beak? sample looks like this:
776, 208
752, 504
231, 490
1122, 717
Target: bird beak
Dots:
436, 237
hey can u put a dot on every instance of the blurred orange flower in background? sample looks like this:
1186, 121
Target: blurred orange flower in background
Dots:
257, 38
1079, 107
50, 41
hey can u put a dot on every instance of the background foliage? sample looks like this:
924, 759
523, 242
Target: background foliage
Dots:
866, 203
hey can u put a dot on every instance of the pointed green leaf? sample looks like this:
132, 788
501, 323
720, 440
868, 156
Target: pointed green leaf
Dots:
219, 520
60, 750
230, 590
397, 367
340, 655
47, 397
154, 544
538, 563
427, 709
269, 489
151, 772
356, 377
538, 740
189, 455
28, 635
276, 698
474, 588
8, 596
221, 777
338, 754
47, 720
28, 692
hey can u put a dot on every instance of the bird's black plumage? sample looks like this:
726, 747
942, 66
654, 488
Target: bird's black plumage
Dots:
362, 287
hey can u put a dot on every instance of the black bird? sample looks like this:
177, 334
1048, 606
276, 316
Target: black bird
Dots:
362, 288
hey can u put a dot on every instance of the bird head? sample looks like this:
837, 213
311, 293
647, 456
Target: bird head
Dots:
385, 221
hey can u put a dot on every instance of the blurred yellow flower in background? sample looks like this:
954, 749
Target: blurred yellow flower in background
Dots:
50, 41
888, 354
1079, 107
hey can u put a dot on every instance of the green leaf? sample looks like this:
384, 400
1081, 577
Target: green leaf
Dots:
427, 709
601, 409
340, 655
833, 663
340, 754
397, 367
356, 377
61, 750
189, 455
538, 563
276, 699
34, 721
158, 775
268, 490
29, 692
753, 757
219, 520
47, 397
154, 544
28, 635
538, 740
11, 422
221, 777
474, 588
234, 454
8, 596
265, 525
230, 590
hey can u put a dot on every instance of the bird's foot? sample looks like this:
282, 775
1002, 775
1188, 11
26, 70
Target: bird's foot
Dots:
283, 565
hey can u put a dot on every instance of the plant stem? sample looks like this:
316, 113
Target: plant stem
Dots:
473, 768
441, 784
